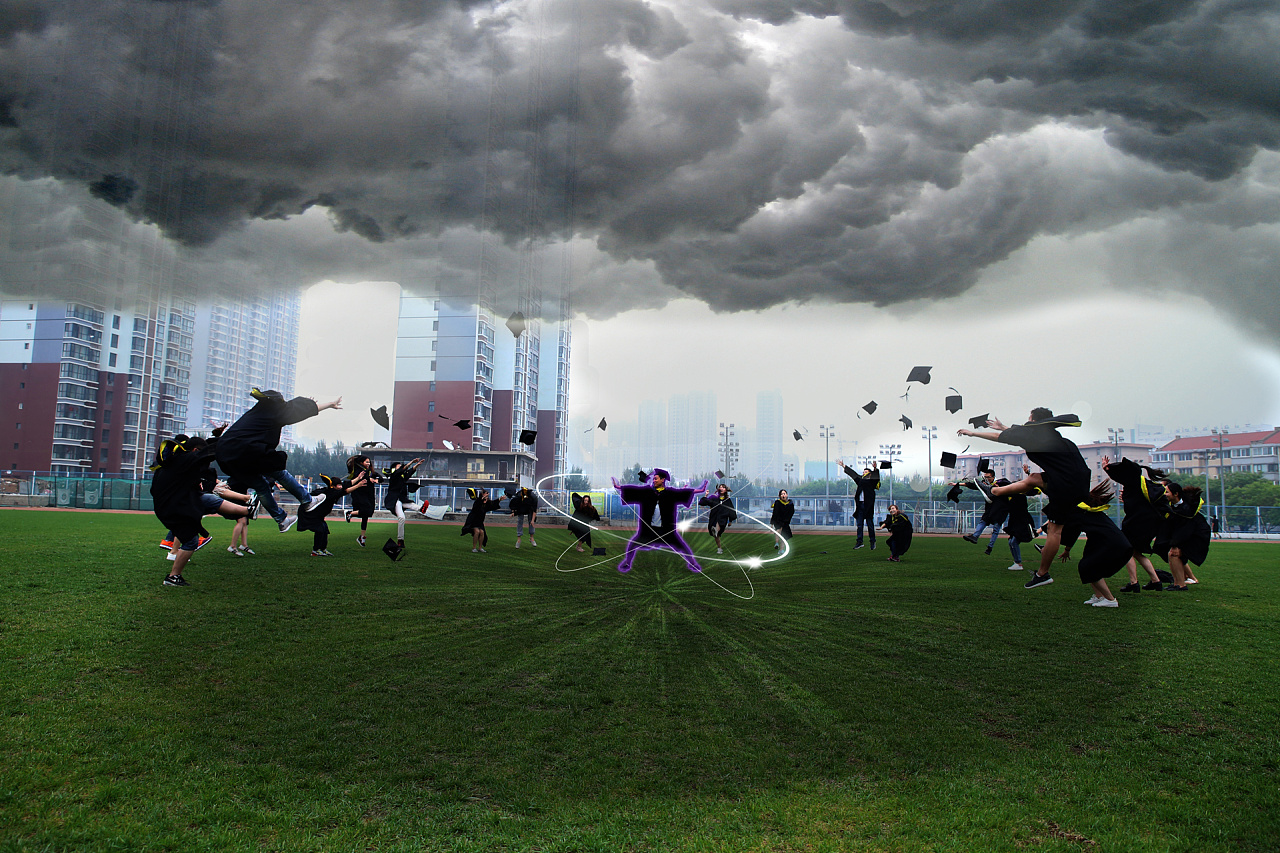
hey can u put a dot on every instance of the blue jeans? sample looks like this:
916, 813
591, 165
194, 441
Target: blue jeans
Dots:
1016, 550
261, 485
995, 531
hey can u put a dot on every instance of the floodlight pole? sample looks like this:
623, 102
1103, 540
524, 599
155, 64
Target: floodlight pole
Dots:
929, 433
1222, 478
1114, 433
824, 430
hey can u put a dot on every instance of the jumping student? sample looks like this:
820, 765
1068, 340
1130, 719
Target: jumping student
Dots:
780, 516
721, 515
361, 475
864, 501
524, 506
398, 477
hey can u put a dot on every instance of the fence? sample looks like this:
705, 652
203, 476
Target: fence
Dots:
105, 491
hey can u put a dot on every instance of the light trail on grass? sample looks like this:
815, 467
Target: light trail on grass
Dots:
744, 564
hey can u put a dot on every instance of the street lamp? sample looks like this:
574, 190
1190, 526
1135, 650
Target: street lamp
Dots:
891, 450
1222, 478
929, 433
825, 431
789, 467
1114, 433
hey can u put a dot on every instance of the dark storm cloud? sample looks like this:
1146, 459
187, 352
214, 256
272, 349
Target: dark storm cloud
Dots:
751, 154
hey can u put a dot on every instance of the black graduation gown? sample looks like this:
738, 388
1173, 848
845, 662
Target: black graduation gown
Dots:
176, 490
584, 514
1019, 524
1141, 499
722, 513
363, 498
397, 488
522, 504
314, 519
249, 446
1066, 475
648, 500
475, 518
900, 530
1185, 527
864, 497
780, 519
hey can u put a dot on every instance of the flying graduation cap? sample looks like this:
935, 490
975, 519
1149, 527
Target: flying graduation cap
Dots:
600, 426
641, 476
516, 323
954, 494
463, 424
528, 436
919, 374
886, 463
980, 421
984, 465
797, 434
906, 422
719, 474
869, 408
373, 444
954, 402
948, 459
380, 417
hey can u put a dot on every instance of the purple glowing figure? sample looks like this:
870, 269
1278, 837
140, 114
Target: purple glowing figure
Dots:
655, 496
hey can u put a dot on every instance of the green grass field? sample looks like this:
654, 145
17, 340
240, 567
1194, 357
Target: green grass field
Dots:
489, 702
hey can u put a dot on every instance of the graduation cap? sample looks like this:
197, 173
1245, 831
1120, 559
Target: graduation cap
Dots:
884, 463
394, 550
374, 444
380, 417
905, 421
719, 474
641, 476
472, 493
527, 436
954, 402
516, 323
948, 459
462, 424
980, 421
954, 494
597, 552
603, 424
270, 394
797, 434
919, 374
869, 408
984, 465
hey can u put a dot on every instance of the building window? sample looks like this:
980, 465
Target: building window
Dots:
111, 360
115, 323
431, 405
431, 426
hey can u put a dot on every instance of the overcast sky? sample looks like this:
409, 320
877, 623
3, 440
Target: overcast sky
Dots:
1064, 202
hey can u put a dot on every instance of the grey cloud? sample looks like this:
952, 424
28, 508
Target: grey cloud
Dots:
828, 150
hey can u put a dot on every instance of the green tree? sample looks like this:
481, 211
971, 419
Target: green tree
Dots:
576, 481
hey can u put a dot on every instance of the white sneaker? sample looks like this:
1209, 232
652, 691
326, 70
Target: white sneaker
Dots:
1106, 602
517, 544
719, 550
247, 552
1094, 599
1016, 567
535, 544
288, 523
314, 503
475, 550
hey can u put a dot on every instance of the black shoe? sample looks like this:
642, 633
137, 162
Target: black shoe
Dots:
349, 513
1154, 586
1175, 588
175, 580
859, 545
873, 544
254, 505
1131, 587
1038, 580
1039, 547
988, 551
972, 540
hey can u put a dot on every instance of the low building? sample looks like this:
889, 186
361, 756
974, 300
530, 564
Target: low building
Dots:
1254, 452
1008, 463
445, 475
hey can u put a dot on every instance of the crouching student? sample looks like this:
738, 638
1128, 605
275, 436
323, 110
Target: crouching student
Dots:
312, 518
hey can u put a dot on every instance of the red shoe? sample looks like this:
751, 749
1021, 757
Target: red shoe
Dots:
204, 540
166, 544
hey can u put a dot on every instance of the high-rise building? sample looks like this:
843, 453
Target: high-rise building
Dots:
691, 447
91, 387
770, 434
240, 344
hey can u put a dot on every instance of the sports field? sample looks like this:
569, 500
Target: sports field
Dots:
456, 701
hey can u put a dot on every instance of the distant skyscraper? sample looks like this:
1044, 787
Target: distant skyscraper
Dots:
770, 434
691, 434
240, 344
653, 434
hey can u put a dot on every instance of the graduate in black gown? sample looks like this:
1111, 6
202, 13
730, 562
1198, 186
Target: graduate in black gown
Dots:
721, 514
313, 517
781, 513
474, 523
1019, 526
1184, 536
864, 500
900, 530
176, 496
1142, 498
1065, 479
249, 449
584, 515
361, 475
397, 496
657, 506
